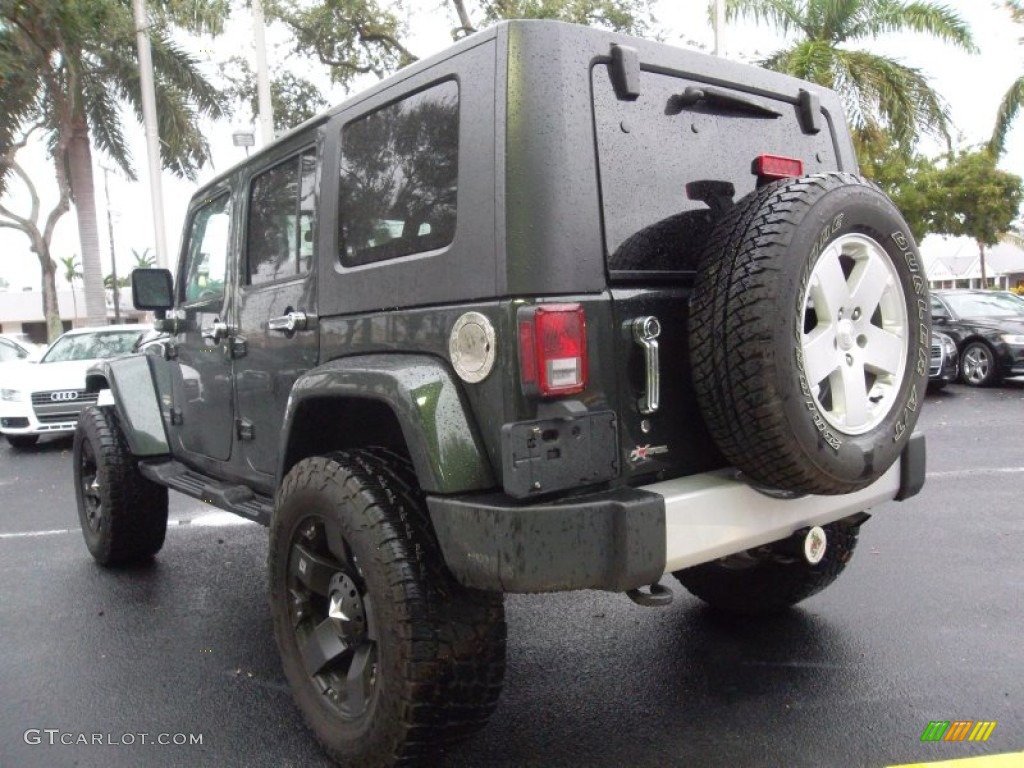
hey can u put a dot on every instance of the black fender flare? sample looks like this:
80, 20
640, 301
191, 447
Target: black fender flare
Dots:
428, 403
135, 399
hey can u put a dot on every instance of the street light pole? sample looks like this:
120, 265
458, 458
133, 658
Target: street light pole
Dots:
113, 257
152, 131
262, 77
719, 27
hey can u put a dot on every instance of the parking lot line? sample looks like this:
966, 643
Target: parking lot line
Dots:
1008, 760
206, 520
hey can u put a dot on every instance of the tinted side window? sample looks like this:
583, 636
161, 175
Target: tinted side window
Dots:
207, 255
279, 236
938, 309
399, 175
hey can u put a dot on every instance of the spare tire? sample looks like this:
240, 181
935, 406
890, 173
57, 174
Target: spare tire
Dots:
809, 333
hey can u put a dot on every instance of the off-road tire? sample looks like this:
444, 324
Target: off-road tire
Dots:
754, 585
747, 319
440, 648
22, 441
124, 517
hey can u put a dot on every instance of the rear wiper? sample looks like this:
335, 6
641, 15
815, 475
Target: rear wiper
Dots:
716, 97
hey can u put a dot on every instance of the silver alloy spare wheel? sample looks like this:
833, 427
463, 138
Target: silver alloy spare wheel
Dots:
855, 334
810, 334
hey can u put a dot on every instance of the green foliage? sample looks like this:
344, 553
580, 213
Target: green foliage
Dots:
122, 282
293, 99
72, 269
973, 197
629, 16
1011, 103
64, 60
878, 92
904, 176
143, 260
349, 37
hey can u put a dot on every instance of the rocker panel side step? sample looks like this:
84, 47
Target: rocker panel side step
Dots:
238, 499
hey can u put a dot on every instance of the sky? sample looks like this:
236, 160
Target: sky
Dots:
972, 84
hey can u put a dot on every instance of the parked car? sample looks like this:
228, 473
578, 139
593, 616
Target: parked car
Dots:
46, 397
13, 350
945, 362
988, 328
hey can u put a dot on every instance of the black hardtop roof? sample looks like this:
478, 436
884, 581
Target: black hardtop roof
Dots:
726, 72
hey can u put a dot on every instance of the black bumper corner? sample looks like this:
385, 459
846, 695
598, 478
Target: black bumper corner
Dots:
913, 464
613, 541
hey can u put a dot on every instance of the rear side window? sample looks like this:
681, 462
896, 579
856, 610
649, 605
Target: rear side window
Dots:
399, 176
279, 232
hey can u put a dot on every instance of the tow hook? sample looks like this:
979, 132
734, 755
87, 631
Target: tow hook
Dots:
815, 544
657, 596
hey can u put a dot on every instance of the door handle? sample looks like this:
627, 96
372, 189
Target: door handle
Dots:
215, 332
645, 333
288, 323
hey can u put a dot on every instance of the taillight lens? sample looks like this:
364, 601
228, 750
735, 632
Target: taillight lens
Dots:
772, 167
553, 349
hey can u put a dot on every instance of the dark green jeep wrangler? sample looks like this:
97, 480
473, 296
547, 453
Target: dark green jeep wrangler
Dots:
556, 309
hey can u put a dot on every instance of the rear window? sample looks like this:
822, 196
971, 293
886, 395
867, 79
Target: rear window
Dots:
659, 155
399, 177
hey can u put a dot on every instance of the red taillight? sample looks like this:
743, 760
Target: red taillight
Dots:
773, 167
553, 349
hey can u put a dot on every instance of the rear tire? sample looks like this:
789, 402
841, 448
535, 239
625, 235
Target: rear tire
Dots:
123, 514
387, 656
756, 584
22, 441
809, 334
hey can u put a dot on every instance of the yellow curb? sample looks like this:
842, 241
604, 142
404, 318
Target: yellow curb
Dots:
1009, 760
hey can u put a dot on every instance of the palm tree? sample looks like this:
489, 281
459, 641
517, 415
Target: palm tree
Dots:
72, 272
143, 260
878, 92
1014, 98
70, 67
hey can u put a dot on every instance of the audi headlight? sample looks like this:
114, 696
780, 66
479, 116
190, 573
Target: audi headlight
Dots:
14, 395
1013, 338
948, 345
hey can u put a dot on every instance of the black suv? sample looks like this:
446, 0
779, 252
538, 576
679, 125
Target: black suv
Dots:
556, 309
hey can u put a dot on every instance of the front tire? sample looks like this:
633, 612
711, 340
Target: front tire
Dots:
123, 514
761, 583
387, 656
978, 365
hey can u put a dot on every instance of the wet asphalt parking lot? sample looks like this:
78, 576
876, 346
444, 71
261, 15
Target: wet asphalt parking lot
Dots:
926, 624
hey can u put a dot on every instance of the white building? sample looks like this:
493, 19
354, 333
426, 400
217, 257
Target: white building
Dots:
22, 311
954, 262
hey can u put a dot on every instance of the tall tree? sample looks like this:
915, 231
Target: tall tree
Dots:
905, 176
1014, 97
349, 37
144, 259
71, 66
38, 230
630, 16
878, 92
972, 197
293, 98
72, 272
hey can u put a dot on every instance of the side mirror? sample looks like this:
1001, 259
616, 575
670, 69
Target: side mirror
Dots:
940, 319
152, 289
